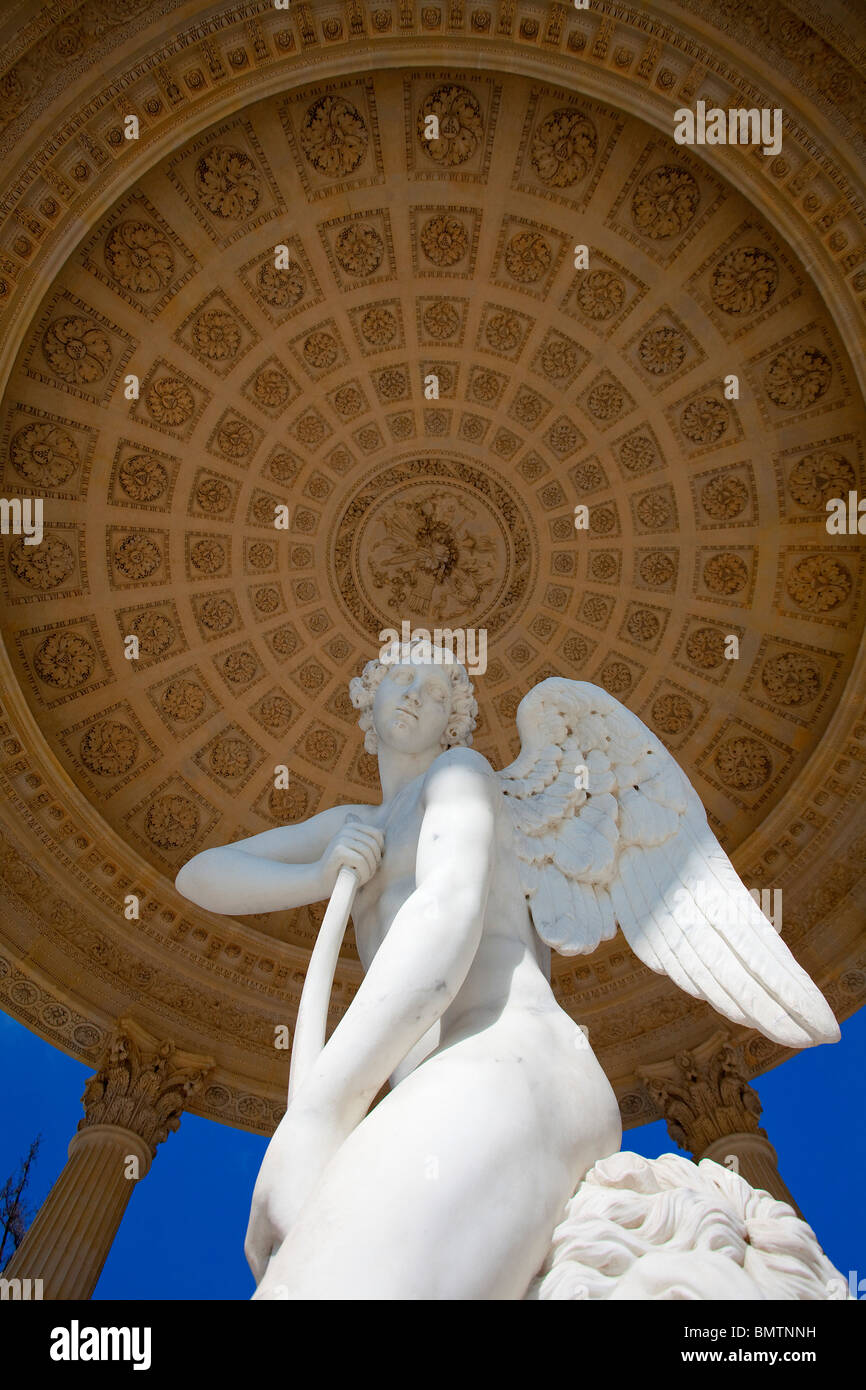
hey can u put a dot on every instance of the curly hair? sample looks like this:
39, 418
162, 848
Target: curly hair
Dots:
362, 691
669, 1228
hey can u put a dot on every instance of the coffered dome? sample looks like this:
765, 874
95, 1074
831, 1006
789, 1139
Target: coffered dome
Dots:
430, 385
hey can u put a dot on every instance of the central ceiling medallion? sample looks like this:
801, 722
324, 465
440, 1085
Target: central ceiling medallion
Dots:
435, 539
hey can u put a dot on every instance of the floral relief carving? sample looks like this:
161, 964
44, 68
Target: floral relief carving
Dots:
171, 822
216, 335
207, 555
282, 289
271, 388
216, 614
432, 555
818, 476
320, 350
77, 350
605, 401
657, 568
379, 326
655, 510
671, 713
743, 763
638, 453
44, 454
139, 257
600, 294
563, 148
155, 632
137, 557
228, 183
461, 128
441, 319
235, 438
819, 583
393, 384
334, 137
170, 402
664, 202
444, 240
798, 377
275, 712
44, 566
230, 757
642, 625
603, 565
359, 249
559, 358
65, 660
348, 402
616, 677
142, 478
182, 700
239, 667
662, 350
744, 280
724, 497
704, 421
527, 257
213, 495
726, 573
109, 748
791, 679
705, 647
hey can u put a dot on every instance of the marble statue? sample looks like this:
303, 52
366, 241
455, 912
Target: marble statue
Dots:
453, 1185
667, 1228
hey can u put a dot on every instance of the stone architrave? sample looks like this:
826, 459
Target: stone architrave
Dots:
132, 1103
713, 1112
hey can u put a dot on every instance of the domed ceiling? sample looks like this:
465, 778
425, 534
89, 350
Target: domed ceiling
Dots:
412, 261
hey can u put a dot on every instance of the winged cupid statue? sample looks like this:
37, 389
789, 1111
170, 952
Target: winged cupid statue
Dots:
451, 1186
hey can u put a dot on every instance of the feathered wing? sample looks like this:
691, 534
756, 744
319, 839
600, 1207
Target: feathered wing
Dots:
632, 847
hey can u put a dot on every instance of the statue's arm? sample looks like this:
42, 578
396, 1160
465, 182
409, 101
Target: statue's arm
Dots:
426, 955
271, 872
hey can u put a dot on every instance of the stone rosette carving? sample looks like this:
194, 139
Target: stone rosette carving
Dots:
664, 202
139, 257
334, 136
461, 126
744, 280
563, 147
77, 350
228, 183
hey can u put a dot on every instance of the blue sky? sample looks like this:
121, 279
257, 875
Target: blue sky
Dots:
182, 1235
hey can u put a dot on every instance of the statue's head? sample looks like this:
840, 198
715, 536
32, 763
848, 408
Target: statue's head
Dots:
413, 697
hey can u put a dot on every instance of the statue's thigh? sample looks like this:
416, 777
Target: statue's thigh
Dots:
450, 1188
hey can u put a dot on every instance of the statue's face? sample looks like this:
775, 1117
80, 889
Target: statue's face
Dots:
412, 706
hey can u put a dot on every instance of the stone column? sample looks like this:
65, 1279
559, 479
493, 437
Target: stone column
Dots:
132, 1103
713, 1112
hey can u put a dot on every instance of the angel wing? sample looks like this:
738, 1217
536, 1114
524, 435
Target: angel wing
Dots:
609, 831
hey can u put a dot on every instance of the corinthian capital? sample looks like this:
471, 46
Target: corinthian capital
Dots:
142, 1084
704, 1095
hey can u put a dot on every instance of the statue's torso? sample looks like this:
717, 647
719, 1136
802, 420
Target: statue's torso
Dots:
509, 971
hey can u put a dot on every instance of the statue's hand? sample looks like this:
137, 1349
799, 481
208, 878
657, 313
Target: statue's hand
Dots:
357, 846
303, 1145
